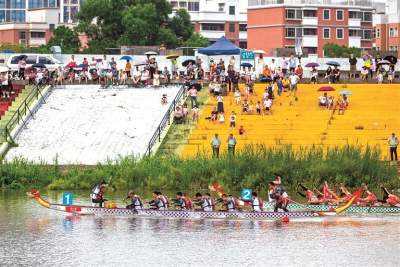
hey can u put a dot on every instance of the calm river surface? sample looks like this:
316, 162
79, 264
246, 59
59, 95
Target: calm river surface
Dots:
34, 236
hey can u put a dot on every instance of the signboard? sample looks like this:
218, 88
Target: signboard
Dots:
67, 198
247, 55
246, 194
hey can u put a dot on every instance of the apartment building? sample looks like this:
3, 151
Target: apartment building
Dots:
387, 26
31, 22
309, 24
216, 18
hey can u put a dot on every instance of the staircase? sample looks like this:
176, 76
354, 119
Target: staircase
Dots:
299, 122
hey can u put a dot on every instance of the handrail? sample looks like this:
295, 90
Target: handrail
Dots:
22, 110
164, 121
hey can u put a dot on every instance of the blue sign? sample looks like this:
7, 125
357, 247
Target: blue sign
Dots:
247, 55
246, 194
67, 198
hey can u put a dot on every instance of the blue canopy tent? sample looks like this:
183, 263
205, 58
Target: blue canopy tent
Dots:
221, 47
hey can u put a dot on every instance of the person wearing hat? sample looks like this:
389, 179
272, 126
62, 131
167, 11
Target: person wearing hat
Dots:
393, 143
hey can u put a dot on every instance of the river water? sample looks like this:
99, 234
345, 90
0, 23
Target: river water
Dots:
33, 236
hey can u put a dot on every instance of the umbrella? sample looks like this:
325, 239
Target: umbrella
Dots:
187, 61
333, 63
345, 93
246, 65
99, 60
391, 59
259, 51
326, 89
39, 66
312, 65
172, 56
384, 62
266, 79
3, 69
141, 64
71, 65
8, 51
126, 58
151, 53
83, 65
196, 85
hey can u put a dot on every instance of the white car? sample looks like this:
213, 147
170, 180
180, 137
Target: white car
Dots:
50, 62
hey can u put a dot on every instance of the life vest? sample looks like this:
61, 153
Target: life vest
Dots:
96, 193
393, 200
371, 199
257, 204
231, 204
188, 203
165, 201
311, 197
207, 204
327, 193
137, 203
160, 203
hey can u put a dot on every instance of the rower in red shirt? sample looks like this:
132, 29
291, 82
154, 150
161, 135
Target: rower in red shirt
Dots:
345, 194
311, 197
328, 196
370, 199
390, 199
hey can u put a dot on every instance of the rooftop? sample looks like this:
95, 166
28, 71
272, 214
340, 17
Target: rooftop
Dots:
349, 3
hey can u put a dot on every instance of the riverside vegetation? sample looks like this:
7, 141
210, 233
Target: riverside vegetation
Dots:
251, 167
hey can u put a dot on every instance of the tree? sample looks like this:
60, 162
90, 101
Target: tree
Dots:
66, 38
196, 40
334, 50
181, 25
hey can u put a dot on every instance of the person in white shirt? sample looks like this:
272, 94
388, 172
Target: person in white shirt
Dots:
268, 105
323, 100
294, 79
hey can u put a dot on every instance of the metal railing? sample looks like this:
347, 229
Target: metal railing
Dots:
166, 120
20, 113
364, 3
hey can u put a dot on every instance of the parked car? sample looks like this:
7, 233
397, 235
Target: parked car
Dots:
51, 63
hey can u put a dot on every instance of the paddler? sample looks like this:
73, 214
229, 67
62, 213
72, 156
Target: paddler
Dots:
345, 194
97, 194
136, 202
256, 202
183, 202
281, 199
390, 199
328, 196
229, 202
205, 202
309, 195
159, 201
370, 199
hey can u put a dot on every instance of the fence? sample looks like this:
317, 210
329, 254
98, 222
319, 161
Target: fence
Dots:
20, 113
166, 120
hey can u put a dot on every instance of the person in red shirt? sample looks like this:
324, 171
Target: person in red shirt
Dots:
299, 71
370, 199
390, 199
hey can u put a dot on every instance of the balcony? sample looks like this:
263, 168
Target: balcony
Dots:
212, 34
310, 21
310, 41
243, 35
356, 23
354, 41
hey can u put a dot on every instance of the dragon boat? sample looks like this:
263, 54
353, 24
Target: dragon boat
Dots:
326, 208
171, 214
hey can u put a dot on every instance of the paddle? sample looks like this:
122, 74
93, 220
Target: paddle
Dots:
356, 196
320, 213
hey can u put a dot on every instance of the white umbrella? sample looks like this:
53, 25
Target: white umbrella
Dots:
3, 69
259, 51
151, 53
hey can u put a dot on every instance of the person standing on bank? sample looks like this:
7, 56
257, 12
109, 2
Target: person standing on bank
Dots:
353, 66
393, 143
215, 144
231, 144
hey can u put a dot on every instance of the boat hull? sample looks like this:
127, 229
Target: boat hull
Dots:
326, 208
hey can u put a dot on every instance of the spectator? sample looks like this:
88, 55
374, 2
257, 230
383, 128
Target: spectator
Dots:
164, 99
328, 74
128, 69
221, 118
353, 66
393, 143
242, 131
220, 104
323, 101
314, 75
292, 63
232, 120
21, 68
299, 71
285, 66
237, 96
156, 78
215, 144
335, 75
279, 84
294, 79
195, 113
193, 96
267, 106
391, 74
178, 116
231, 144
258, 108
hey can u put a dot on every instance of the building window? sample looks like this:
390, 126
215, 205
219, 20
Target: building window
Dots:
193, 6
367, 35
213, 27
393, 48
378, 33
339, 33
19, 4
393, 32
182, 4
327, 14
231, 10
294, 14
355, 33
243, 44
309, 32
174, 4
231, 27
339, 15
17, 15
367, 16
355, 15
311, 50
290, 32
243, 27
309, 13
52, 27
37, 34
221, 7
22, 35
327, 33
2, 16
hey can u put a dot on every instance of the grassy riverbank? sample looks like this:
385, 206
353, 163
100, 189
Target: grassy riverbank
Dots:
252, 167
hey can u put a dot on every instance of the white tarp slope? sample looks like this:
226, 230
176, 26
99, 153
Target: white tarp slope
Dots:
88, 125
